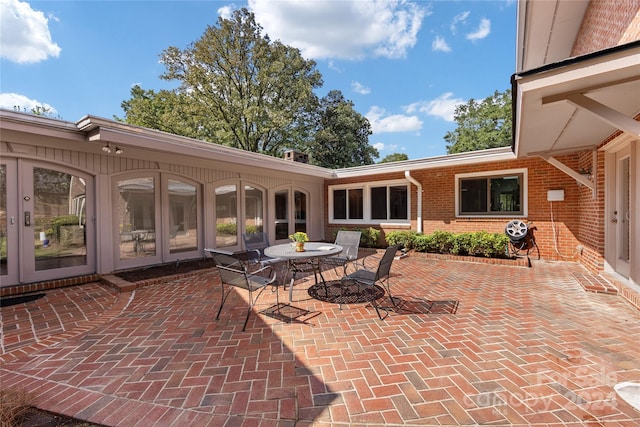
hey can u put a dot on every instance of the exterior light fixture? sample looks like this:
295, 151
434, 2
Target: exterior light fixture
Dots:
107, 149
119, 150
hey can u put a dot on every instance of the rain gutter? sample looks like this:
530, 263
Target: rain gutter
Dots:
412, 180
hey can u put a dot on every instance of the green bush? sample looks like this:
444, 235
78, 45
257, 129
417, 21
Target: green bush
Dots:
443, 241
477, 243
59, 221
406, 238
369, 237
253, 229
229, 229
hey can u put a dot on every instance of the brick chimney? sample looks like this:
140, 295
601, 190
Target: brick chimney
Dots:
296, 156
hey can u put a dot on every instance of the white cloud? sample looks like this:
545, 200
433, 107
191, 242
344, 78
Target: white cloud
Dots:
15, 101
440, 44
382, 123
459, 18
360, 88
483, 30
342, 29
24, 34
379, 146
443, 107
226, 12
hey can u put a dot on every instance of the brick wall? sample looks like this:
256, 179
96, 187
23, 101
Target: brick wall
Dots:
561, 227
608, 23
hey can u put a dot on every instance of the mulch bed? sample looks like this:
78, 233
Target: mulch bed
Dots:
35, 417
162, 270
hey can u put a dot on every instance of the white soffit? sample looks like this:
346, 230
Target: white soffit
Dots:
547, 122
547, 30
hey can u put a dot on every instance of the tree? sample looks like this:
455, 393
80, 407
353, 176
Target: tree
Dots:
395, 157
168, 111
342, 136
237, 88
482, 125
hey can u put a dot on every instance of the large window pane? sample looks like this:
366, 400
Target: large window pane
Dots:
137, 219
398, 202
301, 211
282, 214
356, 209
59, 218
491, 195
473, 195
505, 194
340, 204
226, 216
379, 203
183, 216
254, 215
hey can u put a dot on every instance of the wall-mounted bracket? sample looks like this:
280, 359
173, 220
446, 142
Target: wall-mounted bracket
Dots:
581, 179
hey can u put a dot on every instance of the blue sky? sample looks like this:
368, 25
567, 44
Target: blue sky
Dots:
405, 65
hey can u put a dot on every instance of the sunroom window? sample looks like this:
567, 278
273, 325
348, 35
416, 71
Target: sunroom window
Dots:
378, 202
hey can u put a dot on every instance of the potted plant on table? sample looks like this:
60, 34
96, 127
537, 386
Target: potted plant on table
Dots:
299, 238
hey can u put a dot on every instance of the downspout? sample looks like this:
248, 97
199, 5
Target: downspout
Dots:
412, 180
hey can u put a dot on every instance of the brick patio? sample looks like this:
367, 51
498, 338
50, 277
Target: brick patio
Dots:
474, 344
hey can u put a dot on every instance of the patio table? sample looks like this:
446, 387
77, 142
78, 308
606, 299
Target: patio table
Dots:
313, 252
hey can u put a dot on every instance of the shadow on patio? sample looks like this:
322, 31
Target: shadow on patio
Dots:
470, 344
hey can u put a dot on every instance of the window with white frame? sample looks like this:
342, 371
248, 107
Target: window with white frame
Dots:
494, 193
381, 202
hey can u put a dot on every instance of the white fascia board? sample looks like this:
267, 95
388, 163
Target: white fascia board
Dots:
39, 125
471, 157
582, 74
126, 136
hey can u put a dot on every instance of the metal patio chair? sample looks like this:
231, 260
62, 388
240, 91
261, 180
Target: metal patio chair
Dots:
350, 242
234, 274
255, 243
380, 276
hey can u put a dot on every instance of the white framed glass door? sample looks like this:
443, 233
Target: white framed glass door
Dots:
8, 223
291, 207
621, 216
47, 224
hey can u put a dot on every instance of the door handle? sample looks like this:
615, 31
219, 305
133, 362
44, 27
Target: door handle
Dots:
27, 219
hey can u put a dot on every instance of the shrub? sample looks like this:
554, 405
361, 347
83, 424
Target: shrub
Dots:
477, 243
253, 229
442, 241
406, 238
369, 237
228, 229
59, 221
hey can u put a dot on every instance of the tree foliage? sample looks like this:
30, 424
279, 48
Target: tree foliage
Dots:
236, 87
342, 135
168, 111
395, 157
482, 124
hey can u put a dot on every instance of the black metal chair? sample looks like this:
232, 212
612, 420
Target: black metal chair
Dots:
380, 276
234, 274
350, 242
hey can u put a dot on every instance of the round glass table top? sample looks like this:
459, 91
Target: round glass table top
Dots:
311, 250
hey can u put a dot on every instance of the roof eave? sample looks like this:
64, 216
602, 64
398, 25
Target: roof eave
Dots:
471, 157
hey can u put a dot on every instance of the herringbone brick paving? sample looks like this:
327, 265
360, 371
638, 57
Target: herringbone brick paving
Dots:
471, 344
